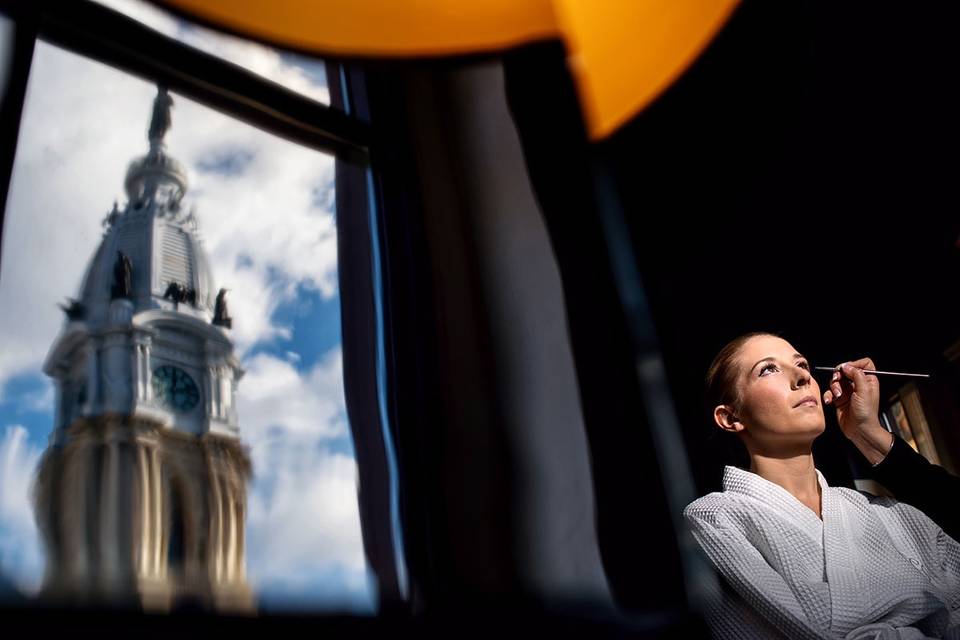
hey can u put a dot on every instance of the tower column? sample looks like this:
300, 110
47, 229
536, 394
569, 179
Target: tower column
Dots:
241, 544
72, 519
156, 543
211, 391
224, 517
233, 400
108, 509
145, 364
143, 543
223, 392
137, 373
215, 552
92, 354
231, 515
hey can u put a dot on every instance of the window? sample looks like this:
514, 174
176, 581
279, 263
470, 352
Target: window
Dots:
242, 243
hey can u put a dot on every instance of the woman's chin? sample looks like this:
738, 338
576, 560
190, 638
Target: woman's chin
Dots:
814, 428
811, 423
800, 433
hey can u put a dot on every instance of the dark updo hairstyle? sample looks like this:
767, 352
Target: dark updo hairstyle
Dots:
721, 388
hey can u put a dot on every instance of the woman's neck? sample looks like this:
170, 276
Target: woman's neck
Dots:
794, 473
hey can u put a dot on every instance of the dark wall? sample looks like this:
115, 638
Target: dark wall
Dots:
799, 178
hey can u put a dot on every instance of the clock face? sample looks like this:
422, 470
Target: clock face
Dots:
175, 388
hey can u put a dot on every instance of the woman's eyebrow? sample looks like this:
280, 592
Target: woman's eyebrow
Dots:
796, 356
767, 359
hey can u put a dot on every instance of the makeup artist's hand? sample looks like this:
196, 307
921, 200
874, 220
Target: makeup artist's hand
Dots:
856, 397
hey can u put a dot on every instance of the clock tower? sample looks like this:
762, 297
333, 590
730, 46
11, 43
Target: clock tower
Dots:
141, 493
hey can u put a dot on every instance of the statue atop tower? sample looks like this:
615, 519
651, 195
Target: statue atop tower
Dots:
160, 122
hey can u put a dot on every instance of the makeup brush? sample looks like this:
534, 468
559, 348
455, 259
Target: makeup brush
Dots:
880, 373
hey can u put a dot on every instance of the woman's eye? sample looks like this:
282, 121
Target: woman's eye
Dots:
804, 365
768, 367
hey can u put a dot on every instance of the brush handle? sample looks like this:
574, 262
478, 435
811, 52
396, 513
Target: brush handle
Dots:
881, 373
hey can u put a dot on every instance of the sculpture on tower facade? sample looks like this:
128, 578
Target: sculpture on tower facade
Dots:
180, 293
220, 315
74, 309
122, 277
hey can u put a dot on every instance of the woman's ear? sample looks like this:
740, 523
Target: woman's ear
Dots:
726, 419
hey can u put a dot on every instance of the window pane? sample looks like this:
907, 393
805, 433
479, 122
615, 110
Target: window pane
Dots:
143, 236
302, 74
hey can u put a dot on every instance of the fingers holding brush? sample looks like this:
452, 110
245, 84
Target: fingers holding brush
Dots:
849, 377
855, 393
856, 397
865, 389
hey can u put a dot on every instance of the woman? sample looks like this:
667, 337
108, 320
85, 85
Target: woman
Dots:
798, 558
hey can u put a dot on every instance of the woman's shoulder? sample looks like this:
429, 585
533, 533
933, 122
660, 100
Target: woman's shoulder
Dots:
710, 508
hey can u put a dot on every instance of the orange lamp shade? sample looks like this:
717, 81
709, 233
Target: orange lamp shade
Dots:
622, 53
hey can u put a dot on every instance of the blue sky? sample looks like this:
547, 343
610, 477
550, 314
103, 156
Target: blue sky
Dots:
265, 212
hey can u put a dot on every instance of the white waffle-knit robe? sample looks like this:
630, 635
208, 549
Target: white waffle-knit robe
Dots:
872, 568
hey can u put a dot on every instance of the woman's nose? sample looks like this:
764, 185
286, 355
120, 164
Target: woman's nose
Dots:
802, 377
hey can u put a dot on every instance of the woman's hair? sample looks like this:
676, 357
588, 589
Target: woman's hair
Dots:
721, 388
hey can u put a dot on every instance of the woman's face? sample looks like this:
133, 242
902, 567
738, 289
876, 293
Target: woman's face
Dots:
779, 399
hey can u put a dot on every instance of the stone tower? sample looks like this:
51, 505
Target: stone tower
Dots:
141, 494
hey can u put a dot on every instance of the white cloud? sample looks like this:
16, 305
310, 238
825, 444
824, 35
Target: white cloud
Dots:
303, 514
308, 522
21, 558
265, 211
276, 398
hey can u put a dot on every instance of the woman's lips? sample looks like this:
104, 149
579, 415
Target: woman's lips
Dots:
808, 401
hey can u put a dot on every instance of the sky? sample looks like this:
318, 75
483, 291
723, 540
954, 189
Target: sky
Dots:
265, 209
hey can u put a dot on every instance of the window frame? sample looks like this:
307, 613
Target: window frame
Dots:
104, 35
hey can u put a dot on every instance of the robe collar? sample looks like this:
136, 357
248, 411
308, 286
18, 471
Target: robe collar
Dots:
745, 483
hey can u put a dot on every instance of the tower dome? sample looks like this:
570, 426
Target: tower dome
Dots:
156, 176
149, 289
156, 234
